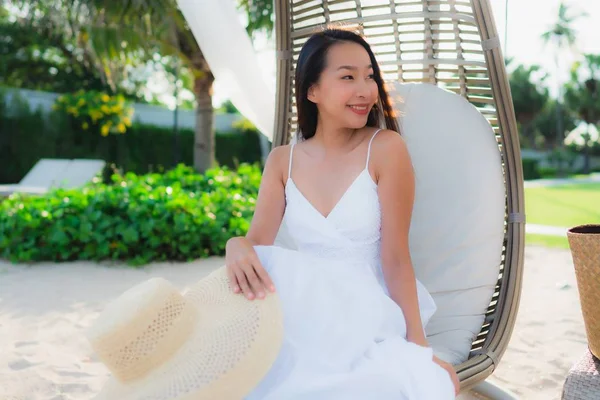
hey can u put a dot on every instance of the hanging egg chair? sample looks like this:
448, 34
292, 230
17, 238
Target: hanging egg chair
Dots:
443, 67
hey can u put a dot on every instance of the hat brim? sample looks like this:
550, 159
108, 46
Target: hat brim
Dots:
231, 348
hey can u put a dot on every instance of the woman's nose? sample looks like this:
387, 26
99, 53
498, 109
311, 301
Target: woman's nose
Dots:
363, 90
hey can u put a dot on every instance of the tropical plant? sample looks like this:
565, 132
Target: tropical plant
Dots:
562, 35
145, 27
545, 125
582, 95
38, 53
529, 98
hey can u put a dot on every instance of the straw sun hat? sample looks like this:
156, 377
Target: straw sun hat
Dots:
208, 343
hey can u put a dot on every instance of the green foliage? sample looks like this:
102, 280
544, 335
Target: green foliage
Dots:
260, 15
582, 92
530, 169
175, 216
48, 45
548, 173
26, 136
545, 125
244, 142
38, 54
528, 96
593, 149
562, 159
132, 28
96, 111
228, 108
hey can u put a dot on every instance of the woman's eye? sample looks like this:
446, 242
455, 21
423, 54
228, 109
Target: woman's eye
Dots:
372, 76
347, 77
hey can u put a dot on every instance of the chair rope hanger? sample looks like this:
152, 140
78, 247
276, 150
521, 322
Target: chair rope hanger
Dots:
452, 44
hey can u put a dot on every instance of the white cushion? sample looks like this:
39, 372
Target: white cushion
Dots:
457, 226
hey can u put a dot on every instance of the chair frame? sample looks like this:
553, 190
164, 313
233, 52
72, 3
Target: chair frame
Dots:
476, 72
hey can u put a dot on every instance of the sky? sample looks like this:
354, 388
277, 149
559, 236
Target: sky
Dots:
527, 20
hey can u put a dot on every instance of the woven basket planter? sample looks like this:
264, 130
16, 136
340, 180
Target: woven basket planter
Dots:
584, 242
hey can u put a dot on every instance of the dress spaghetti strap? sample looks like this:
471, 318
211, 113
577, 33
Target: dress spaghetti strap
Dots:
369, 149
291, 155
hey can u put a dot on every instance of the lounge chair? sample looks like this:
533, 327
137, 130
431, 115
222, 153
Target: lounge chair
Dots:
52, 173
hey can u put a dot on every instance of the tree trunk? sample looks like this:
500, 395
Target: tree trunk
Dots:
204, 137
587, 143
586, 159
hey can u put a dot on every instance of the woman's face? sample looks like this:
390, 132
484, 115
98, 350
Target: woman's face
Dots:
346, 90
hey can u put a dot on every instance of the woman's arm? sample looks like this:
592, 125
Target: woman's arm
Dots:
245, 271
396, 188
270, 203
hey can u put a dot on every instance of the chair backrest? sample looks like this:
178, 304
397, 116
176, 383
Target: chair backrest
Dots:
44, 173
78, 173
457, 228
50, 173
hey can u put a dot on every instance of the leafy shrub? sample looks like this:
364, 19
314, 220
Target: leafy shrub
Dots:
548, 172
96, 111
178, 215
530, 169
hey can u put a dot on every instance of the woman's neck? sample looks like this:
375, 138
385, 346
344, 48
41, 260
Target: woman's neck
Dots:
333, 137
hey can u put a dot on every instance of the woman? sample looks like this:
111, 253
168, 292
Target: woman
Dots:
354, 313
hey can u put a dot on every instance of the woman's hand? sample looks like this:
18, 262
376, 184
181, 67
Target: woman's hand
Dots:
450, 369
246, 274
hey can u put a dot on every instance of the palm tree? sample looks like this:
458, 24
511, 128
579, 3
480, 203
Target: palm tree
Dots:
529, 99
582, 95
562, 36
116, 32
161, 25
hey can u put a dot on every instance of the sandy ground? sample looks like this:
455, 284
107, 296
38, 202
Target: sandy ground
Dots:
549, 336
45, 308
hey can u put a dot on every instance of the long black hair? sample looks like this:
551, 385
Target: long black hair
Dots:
309, 67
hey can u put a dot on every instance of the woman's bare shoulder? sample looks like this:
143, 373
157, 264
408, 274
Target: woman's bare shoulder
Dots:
387, 143
277, 161
389, 152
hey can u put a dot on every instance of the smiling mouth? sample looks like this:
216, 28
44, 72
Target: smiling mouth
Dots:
362, 109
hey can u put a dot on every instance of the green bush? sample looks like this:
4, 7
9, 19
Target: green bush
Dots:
548, 172
96, 112
26, 136
530, 169
178, 215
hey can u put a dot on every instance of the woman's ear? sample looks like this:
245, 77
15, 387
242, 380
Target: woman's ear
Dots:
311, 94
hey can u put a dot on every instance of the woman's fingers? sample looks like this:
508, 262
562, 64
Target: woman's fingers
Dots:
255, 283
233, 282
249, 281
263, 276
243, 282
252, 279
256, 276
